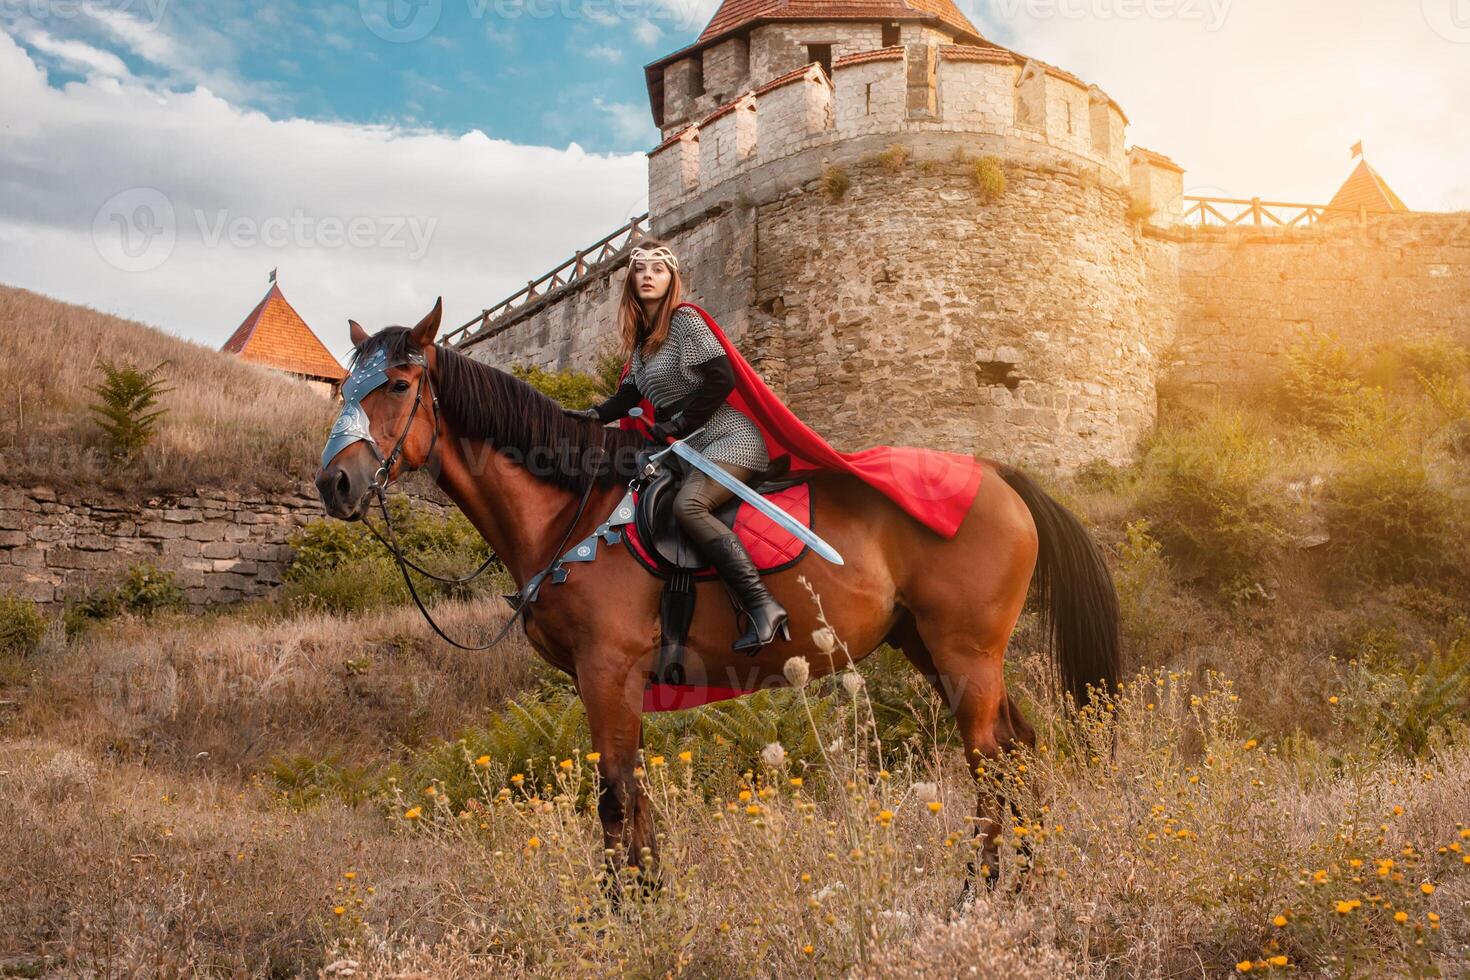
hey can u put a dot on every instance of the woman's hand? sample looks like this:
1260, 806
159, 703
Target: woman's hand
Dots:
590, 414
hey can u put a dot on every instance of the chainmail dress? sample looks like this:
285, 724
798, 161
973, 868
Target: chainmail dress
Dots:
671, 374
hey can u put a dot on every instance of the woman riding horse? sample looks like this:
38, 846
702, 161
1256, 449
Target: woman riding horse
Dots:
675, 362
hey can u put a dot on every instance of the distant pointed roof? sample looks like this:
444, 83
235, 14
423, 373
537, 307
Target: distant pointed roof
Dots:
1367, 189
275, 335
736, 14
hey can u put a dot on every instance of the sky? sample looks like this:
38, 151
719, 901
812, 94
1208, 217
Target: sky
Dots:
159, 157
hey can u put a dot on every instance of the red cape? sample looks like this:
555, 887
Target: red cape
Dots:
935, 487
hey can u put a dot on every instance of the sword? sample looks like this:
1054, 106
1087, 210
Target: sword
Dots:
695, 459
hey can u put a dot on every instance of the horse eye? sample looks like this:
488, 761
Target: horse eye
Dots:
400, 386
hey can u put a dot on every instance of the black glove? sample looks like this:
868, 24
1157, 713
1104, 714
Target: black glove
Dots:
590, 414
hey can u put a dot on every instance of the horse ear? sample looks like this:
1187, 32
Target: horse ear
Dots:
359, 335
423, 334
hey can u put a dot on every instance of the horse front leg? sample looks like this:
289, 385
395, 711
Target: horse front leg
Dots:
615, 716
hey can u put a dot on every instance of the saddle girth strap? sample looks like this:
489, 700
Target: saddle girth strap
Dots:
676, 613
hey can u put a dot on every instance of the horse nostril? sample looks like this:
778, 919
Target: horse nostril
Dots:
343, 486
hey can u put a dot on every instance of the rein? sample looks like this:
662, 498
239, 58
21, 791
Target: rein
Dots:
380, 486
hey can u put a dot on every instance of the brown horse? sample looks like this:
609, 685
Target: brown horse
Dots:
518, 468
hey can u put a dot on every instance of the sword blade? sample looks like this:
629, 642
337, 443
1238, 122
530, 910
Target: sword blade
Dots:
806, 535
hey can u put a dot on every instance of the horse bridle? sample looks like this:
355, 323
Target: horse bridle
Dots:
352, 427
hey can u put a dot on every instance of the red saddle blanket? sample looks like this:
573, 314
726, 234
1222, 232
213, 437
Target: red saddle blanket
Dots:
770, 546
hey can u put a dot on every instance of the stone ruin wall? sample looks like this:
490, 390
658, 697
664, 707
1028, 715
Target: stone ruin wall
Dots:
1249, 295
222, 546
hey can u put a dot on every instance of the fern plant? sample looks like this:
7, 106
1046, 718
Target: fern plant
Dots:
128, 411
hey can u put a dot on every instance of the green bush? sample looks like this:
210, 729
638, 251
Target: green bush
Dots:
990, 179
570, 388
127, 411
22, 626
144, 591
1204, 490
1321, 385
1388, 522
342, 568
835, 181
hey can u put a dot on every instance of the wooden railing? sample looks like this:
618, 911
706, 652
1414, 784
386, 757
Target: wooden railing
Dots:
1226, 212
572, 271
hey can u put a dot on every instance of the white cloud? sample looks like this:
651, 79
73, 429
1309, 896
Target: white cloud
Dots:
647, 32
247, 192
630, 122
142, 38
1269, 101
76, 56
605, 52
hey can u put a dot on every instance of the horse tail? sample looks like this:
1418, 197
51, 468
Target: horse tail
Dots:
1079, 605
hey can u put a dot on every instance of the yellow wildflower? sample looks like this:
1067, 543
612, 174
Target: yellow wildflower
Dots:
566, 763
594, 757
935, 806
533, 843
1427, 888
686, 756
339, 910
518, 779
885, 817
1278, 961
413, 813
795, 781
1401, 917
483, 762
1279, 922
349, 875
1244, 966
657, 760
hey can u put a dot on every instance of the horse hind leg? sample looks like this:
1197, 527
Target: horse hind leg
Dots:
967, 673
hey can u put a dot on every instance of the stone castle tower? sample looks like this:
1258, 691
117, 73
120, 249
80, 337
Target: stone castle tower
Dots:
819, 176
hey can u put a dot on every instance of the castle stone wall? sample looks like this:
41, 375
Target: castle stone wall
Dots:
1022, 330
1248, 295
898, 91
221, 546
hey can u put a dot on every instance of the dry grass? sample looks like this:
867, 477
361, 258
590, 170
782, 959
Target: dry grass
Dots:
229, 424
222, 696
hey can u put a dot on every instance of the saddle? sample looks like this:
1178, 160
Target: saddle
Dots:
662, 546
656, 540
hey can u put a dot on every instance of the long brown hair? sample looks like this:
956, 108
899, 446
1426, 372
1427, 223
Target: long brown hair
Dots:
632, 323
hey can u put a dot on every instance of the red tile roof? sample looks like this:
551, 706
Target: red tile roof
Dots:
877, 54
1366, 189
736, 14
275, 335
970, 52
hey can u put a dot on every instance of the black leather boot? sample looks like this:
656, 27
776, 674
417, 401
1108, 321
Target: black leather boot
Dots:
767, 616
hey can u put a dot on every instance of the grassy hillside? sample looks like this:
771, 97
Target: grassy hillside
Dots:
228, 423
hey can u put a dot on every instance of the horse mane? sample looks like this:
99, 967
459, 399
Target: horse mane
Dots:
512, 416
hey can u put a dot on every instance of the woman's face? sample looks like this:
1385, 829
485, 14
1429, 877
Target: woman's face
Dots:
651, 280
